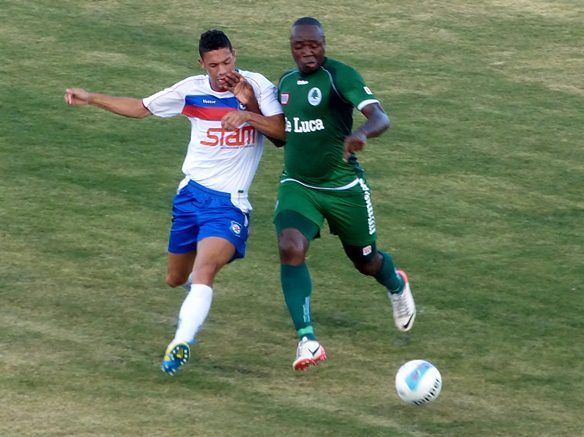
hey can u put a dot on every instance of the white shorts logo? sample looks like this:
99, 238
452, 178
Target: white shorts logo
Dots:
314, 96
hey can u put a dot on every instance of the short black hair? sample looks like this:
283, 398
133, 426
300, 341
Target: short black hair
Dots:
308, 21
213, 40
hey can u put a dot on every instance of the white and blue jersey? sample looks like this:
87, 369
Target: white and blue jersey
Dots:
212, 199
218, 159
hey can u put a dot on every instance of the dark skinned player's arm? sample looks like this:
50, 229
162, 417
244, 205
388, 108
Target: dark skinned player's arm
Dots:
377, 121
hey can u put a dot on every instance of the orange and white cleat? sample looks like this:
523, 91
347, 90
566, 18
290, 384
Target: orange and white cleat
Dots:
309, 353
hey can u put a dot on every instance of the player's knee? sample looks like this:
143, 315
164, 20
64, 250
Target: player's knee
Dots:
368, 265
369, 269
292, 250
174, 280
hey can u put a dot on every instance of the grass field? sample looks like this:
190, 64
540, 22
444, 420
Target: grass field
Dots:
478, 195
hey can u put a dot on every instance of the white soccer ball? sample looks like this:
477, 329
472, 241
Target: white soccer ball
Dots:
418, 382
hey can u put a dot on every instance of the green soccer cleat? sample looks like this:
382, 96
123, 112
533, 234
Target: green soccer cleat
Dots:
175, 356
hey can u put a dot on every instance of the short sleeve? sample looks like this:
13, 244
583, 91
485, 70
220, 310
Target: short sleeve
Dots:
352, 88
266, 94
166, 103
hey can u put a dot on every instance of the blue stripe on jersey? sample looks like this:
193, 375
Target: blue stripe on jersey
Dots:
207, 101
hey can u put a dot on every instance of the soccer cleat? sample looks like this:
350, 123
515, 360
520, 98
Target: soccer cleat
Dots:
309, 353
404, 307
175, 356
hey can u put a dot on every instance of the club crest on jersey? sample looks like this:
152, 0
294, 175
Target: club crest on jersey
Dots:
314, 96
235, 228
284, 98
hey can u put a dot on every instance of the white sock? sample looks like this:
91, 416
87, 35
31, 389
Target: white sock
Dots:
193, 313
187, 285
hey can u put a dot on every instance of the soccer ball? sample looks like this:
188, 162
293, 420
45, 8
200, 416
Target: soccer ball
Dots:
418, 382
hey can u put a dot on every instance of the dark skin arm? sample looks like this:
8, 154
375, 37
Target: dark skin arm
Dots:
377, 123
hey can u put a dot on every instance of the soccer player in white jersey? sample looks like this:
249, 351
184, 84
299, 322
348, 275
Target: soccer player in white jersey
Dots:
230, 112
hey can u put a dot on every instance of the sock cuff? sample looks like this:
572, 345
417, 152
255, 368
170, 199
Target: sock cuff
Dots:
290, 267
306, 332
201, 288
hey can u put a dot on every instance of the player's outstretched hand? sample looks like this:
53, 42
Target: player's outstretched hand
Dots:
354, 143
76, 96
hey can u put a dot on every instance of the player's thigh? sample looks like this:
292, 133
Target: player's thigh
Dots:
298, 207
349, 214
213, 252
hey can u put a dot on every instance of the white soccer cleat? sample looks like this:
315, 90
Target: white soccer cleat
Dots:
404, 307
309, 353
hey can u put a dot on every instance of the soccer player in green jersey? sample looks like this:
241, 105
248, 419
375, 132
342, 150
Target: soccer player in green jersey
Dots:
322, 180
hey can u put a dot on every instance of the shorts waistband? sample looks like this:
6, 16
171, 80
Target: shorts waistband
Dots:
196, 186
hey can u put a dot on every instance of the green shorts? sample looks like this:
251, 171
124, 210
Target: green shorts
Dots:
349, 212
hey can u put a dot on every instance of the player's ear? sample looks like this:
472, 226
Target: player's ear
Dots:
201, 63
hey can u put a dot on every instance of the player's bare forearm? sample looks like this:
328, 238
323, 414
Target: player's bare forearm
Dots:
272, 127
126, 106
377, 121
253, 106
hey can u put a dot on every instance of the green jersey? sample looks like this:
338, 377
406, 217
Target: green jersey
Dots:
319, 115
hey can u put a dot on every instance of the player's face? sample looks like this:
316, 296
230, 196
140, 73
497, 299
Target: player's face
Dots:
307, 46
218, 63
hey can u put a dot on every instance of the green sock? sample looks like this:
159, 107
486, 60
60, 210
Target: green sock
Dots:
297, 287
387, 275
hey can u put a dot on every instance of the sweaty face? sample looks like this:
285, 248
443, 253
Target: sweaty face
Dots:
307, 46
218, 63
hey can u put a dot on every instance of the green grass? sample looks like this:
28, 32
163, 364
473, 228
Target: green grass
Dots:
478, 195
